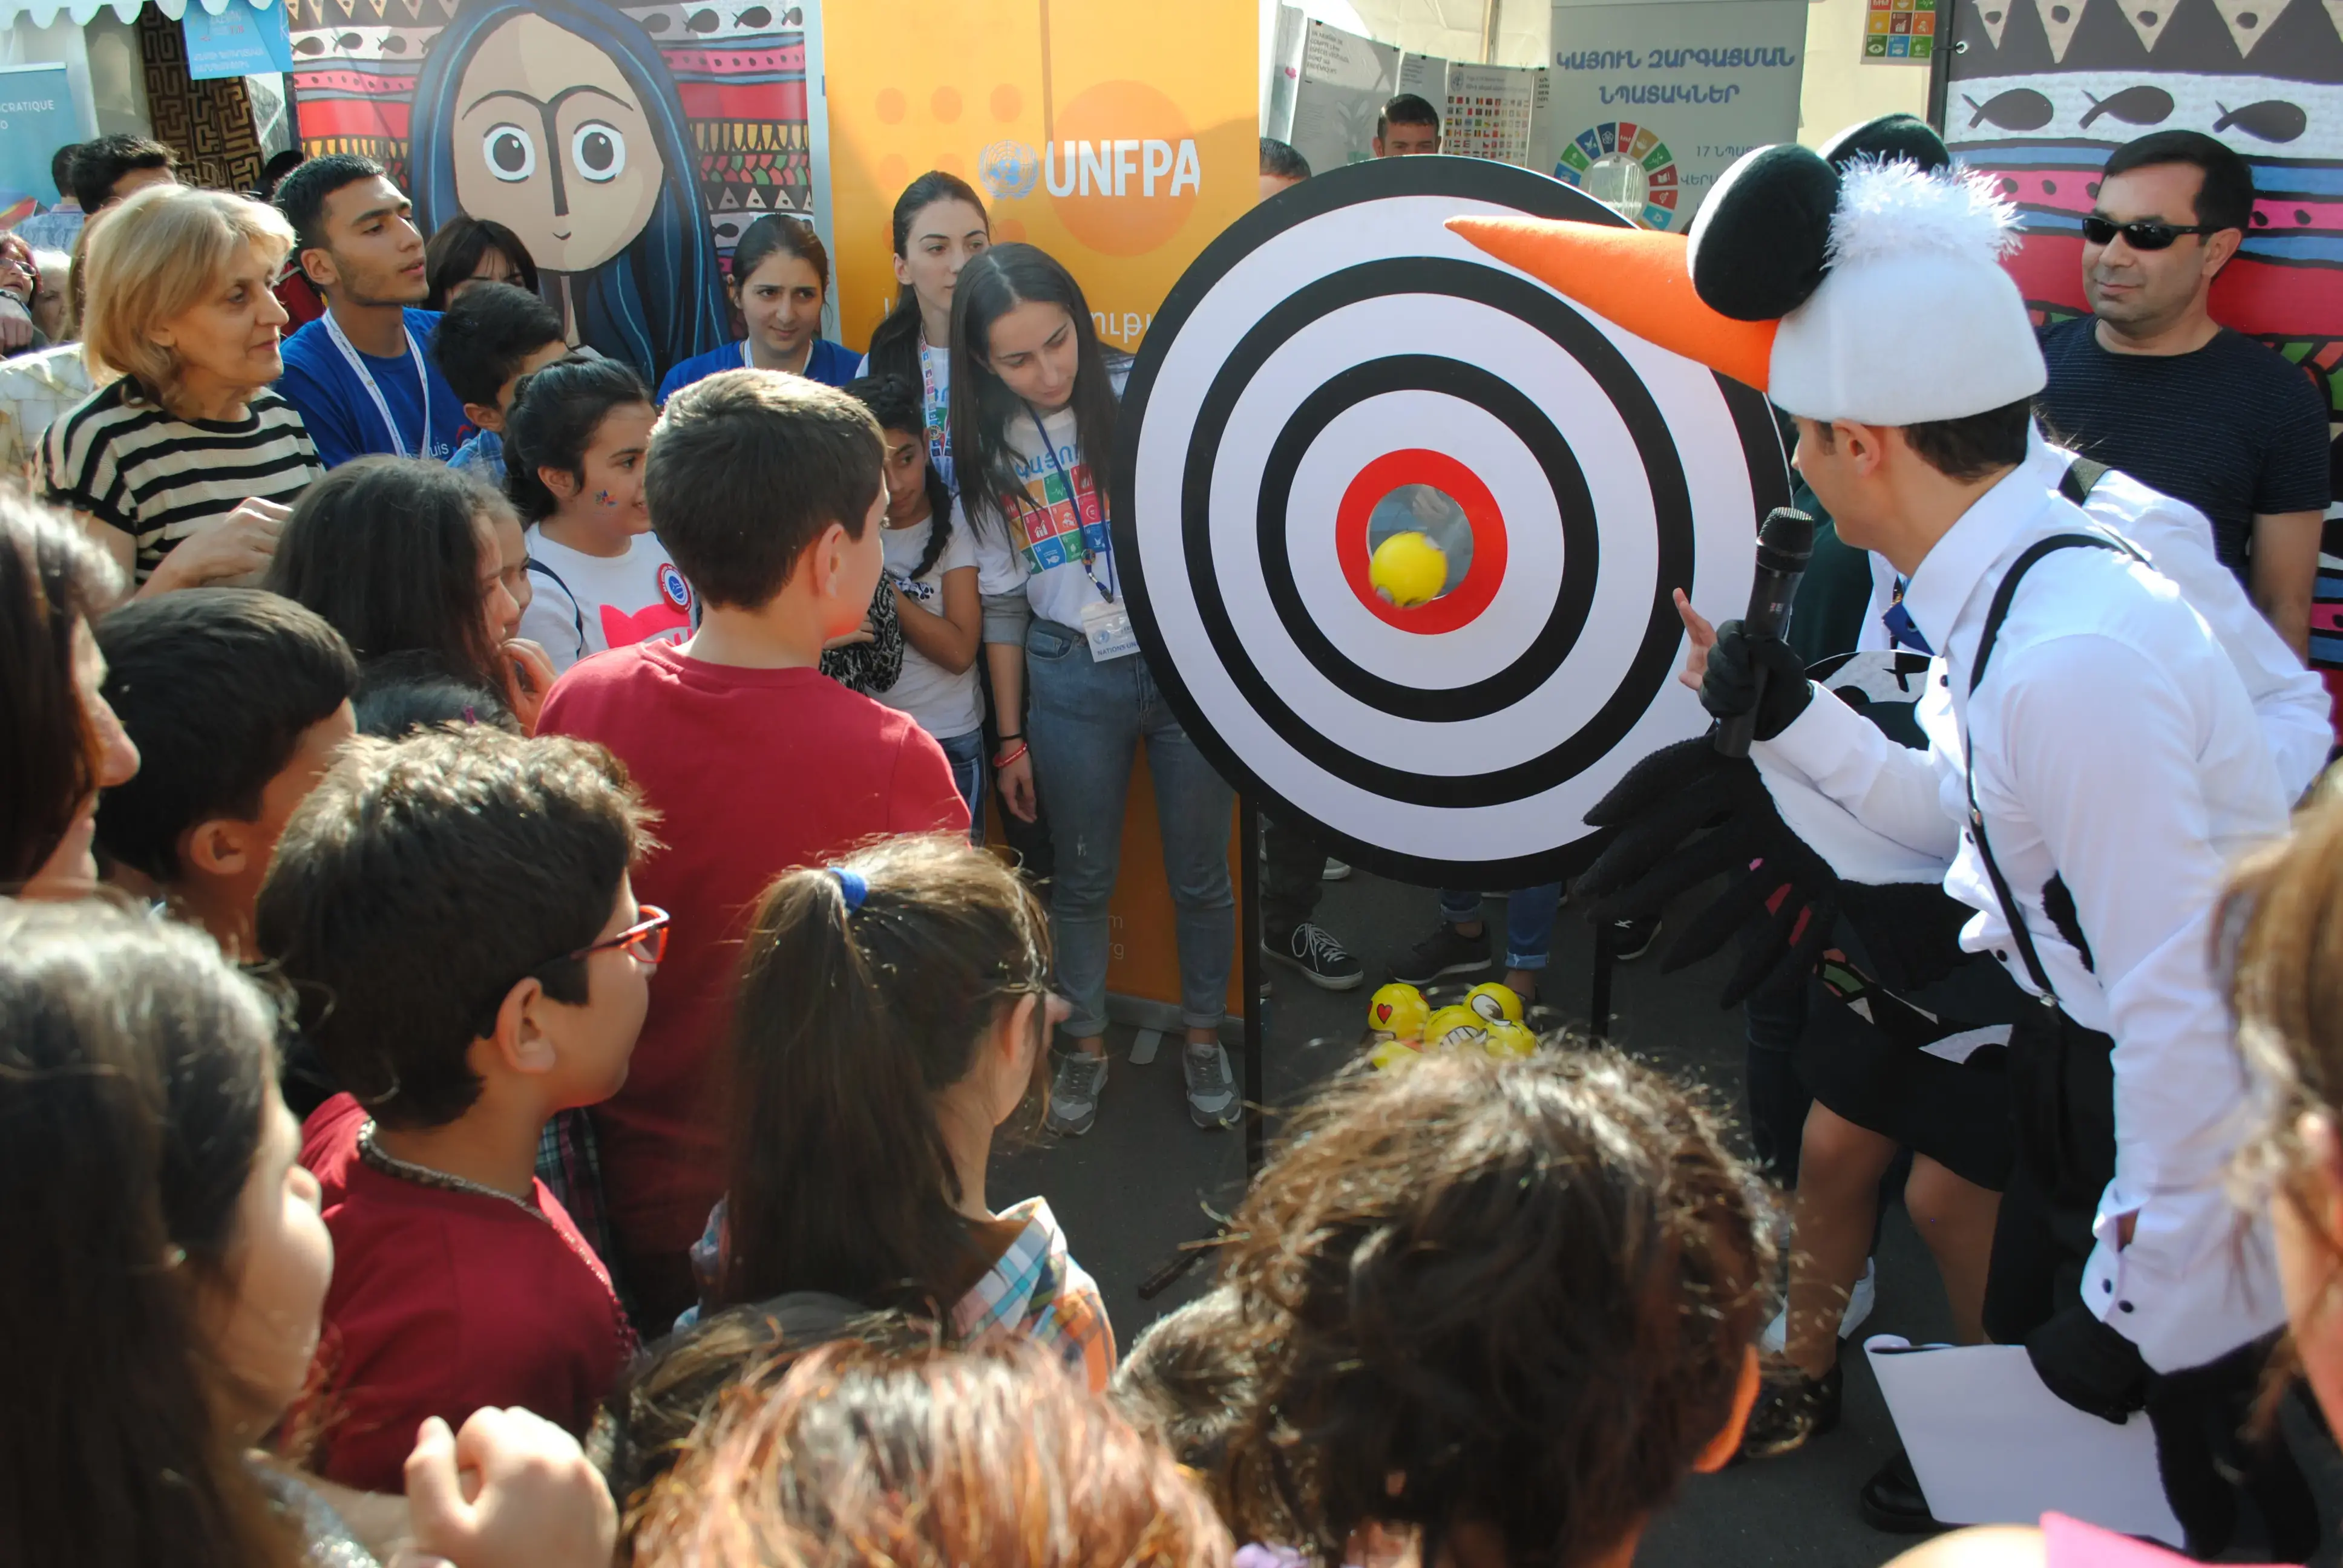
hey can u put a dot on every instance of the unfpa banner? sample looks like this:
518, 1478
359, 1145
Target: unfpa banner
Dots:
1120, 138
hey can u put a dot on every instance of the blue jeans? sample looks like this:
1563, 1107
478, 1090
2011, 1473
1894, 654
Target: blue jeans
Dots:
1529, 921
1086, 721
966, 755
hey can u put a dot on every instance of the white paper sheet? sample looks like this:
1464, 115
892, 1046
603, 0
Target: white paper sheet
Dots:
1992, 1446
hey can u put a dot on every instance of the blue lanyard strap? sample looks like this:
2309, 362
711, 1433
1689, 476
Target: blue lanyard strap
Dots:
1081, 523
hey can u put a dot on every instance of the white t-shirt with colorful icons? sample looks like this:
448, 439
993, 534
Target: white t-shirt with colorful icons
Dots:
1058, 540
583, 604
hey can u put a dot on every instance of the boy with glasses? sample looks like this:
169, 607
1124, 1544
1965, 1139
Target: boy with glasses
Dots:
2149, 383
454, 914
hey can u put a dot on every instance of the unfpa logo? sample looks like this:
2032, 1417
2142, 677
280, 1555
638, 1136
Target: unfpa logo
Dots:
1009, 170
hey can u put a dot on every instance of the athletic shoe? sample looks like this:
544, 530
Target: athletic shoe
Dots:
1074, 1092
1336, 871
1859, 1302
1892, 1500
1446, 951
1323, 962
1212, 1087
1631, 939
1792, 1410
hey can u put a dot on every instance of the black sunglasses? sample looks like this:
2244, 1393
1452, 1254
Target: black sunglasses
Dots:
2145, 235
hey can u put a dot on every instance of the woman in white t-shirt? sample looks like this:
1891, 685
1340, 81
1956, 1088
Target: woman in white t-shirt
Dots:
574, 446
931, 564
940, 227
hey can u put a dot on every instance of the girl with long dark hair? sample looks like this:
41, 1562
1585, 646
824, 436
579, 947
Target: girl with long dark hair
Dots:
780, 281
1033, 415
466, 250
940, 227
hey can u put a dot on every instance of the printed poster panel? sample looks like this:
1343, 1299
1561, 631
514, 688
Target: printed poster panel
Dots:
629, 144
1345, 82
36, 118
1649, 104
2041, 91
1899, 32
243, 40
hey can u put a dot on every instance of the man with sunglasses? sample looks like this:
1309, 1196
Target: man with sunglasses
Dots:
2149, 383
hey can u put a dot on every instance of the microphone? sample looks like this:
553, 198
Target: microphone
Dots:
1784, 545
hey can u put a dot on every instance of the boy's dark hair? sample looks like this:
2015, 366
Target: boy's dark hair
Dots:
409, 691
1280, 160
273, 173
2225, 199
216, 687
898, 407
747, 469
61, 169
97, 164
1187, 1381
421, 881
453, 252
1526, 1289
1406, 110
554, 415
301, 194
486, 333
1967, 448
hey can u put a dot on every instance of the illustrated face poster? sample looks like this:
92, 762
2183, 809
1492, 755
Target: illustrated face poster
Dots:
627, 145
2043, 90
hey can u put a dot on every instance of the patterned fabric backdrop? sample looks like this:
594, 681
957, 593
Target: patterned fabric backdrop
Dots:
207, 124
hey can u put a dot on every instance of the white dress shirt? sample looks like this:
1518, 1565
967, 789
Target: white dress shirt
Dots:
2116, 748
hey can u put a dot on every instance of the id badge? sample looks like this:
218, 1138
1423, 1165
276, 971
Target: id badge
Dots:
1108, 627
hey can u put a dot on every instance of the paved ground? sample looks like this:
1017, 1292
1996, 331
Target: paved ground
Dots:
1133, 1190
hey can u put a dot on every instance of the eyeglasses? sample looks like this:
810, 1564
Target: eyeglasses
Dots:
645, 942
2145, 235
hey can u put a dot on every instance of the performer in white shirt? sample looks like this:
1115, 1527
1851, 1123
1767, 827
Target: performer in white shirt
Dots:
2095, 758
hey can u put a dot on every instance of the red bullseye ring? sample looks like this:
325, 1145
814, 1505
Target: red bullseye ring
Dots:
1416, 466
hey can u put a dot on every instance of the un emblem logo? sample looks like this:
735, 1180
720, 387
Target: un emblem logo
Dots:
1009, 170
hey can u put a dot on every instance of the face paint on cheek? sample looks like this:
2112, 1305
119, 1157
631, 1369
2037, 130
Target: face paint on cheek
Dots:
602, 498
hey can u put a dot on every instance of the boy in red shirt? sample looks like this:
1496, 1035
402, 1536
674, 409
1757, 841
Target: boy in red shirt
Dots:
769, 492
454, 912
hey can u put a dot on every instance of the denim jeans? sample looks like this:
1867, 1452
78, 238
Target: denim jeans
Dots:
1086, 722
966, 755
1529, 921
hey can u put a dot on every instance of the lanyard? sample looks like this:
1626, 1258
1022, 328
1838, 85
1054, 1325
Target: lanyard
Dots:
356, 362
1081, 523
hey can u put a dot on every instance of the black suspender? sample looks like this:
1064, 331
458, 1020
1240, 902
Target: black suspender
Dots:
1993, 616
2081, 477
577, 616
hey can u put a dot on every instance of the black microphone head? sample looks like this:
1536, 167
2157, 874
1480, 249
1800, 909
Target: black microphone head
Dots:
1787, 541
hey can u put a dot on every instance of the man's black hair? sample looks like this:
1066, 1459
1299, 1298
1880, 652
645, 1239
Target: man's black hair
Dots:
1280, 161
216, 687
97, 164
1407, 109
301, 194
488, 330
422, 881
61, 169
2225, 199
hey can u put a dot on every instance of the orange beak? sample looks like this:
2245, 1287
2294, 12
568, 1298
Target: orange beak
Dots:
1637, 278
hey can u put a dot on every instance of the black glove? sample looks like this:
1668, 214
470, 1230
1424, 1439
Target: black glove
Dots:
2088, 1364
1730, 687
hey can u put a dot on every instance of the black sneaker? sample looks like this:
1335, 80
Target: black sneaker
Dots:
1892, 1500
1323, 962
1792, 1410
1446, 951
1631, 939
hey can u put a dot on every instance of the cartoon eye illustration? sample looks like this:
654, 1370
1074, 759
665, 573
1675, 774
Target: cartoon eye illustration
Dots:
2141, 105
2019, 109
599, 151
2271, 120
511, 155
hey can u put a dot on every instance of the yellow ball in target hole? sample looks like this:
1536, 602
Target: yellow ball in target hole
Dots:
1408, 570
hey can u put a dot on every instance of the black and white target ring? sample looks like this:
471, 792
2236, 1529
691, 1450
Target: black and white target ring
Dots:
1337, 344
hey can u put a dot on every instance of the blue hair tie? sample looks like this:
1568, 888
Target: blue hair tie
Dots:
852, 886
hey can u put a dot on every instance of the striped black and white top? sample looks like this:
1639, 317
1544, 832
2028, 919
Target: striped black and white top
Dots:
134, 466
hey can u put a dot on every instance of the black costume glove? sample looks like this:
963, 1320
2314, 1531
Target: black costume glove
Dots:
2088, 1364
1730, 687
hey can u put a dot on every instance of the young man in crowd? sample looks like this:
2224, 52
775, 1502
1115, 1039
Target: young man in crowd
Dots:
768, 492
361, 374
112, 167
1281, 167
1406, 126
2149, 383
57, 228
454, 913
491, 335
239, 700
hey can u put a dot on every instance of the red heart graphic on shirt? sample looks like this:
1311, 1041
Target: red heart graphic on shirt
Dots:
1383, 1012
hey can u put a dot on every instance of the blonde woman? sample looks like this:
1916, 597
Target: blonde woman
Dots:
184, 462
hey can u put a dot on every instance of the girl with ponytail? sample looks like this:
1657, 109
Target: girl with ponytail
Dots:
891, 1014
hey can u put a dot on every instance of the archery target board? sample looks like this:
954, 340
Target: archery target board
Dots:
1339, 343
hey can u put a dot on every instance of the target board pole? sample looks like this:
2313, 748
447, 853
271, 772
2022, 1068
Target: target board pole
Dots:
1598, 1006
1256, 1071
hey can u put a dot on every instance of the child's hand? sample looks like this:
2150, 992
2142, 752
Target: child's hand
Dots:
510, 1491
529, 676
233, 550
1016, 782
1703, 638
863, 633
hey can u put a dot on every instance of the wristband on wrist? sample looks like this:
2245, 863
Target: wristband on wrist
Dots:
1004, 739
1004, 758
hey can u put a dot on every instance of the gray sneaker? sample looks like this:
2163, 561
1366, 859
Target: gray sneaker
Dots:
1074, 1092
1212, 1087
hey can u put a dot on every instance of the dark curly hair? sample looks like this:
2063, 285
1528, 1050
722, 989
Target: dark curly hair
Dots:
1512, 1296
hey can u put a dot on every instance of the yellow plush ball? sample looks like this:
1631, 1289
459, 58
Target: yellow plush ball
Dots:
1506, 1038
1397, 1012
1408, 570
1495, 1001
1394, 1056
1453, 1028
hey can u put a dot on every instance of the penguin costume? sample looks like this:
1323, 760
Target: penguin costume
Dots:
2093, 761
